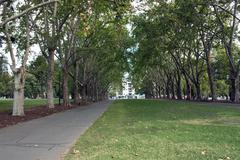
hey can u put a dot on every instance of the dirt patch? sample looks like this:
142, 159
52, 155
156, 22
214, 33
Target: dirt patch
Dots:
6, 119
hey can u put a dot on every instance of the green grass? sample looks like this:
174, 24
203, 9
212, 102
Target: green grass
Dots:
28, 103
162, 130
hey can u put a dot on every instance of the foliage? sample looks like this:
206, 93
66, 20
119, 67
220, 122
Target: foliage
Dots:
181, 40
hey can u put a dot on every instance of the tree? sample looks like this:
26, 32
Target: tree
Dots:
23, 44
190, 32
228, 34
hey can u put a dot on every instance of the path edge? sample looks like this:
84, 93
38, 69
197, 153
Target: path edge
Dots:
62, 155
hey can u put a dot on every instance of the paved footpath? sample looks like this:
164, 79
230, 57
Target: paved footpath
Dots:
48, 138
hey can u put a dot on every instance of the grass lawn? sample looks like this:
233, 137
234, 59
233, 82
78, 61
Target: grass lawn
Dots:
28, 103
162, 130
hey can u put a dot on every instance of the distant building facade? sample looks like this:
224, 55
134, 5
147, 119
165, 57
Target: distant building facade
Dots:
128, 91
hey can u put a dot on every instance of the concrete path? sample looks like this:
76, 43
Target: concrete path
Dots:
50, 137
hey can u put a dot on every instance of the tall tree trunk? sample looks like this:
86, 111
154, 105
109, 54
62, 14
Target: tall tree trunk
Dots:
94, 90
212, 84
164, 92
65, 86
159, 92
173, 90
237, 88
50, 97
97, 92
167, 91
179, 87
76, 88
228, 45
18, 102
234, 86
84, 93
198, 91
188, 88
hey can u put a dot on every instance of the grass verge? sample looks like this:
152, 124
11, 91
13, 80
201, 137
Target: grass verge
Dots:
162, 130
6, 105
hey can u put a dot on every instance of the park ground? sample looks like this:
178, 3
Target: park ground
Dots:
6, 104
164, 130
34, 108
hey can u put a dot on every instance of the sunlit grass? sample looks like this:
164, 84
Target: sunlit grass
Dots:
165, 130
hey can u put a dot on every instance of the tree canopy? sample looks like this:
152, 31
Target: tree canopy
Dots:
175, 49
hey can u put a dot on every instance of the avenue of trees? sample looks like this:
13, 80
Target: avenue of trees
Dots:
175, 49
187, 49
79, 49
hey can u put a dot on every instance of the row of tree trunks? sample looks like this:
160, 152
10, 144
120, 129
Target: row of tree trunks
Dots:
173, 89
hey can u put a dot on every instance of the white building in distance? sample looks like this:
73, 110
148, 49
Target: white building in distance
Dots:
128, 91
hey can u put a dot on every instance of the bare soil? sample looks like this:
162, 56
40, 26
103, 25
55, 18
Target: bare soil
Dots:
6, 118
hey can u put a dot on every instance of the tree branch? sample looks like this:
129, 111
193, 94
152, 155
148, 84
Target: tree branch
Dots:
26, 54
10, 47
235, 16
3, 1
26, 11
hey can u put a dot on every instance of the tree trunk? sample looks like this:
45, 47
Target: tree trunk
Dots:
232, 89
164, 92
76, 88
97, 93
167, 92
84, 95
179, 88
173, 90
211, 79
18, 101
236, 88
50, 97
159, 92
198, 91
65, 86
188, 88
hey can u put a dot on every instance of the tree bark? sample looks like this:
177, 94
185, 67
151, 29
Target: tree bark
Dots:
18, 102
50, 78
211, 79
167, 92
198, 91
179, 88
234, 87
173, 89
237, 88
84, 93
65, 86
188, 88
76, 88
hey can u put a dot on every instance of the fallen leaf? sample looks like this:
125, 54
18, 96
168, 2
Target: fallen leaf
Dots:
75, 151
204, 152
